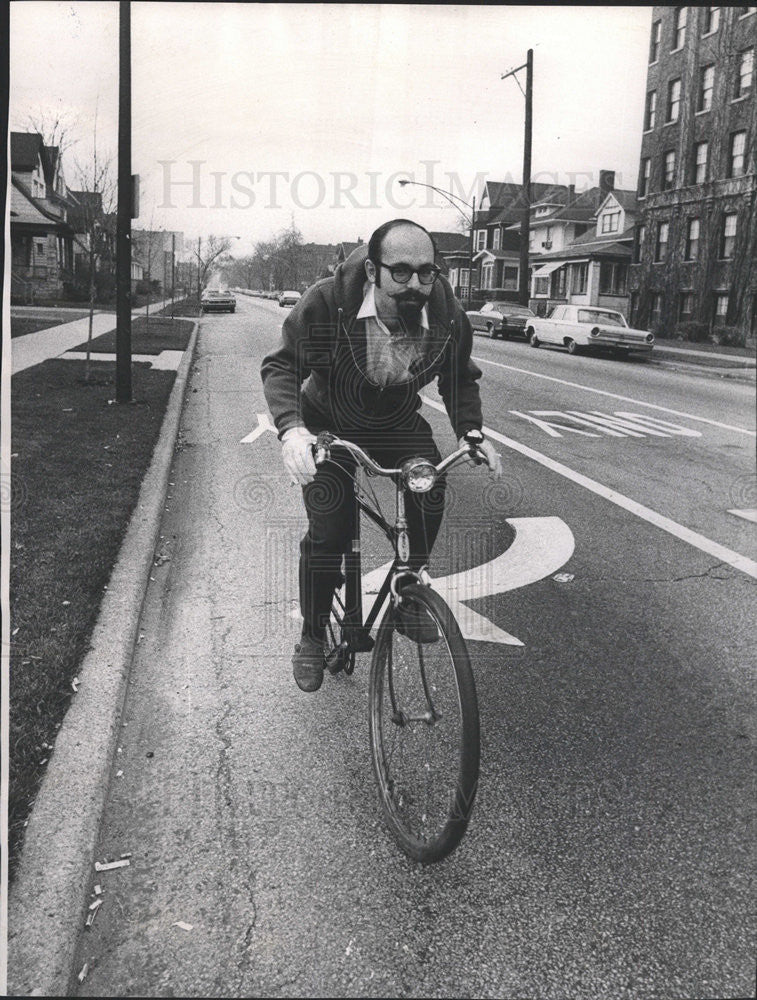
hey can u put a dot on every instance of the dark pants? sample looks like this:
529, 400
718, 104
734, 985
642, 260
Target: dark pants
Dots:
330, 503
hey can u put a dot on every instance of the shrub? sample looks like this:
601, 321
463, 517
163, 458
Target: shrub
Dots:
731, 336
696, 333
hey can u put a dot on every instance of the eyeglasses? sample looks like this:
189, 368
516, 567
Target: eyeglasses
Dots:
402, 273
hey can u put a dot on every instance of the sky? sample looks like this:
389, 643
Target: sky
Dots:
248, 117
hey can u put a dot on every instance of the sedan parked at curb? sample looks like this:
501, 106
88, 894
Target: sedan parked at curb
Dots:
501, 319
216, 301
579, 327
289, 298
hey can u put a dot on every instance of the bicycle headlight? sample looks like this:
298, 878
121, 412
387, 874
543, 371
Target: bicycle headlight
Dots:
419, 475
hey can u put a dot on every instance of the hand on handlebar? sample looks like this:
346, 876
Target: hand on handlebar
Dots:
489, 455
297, 453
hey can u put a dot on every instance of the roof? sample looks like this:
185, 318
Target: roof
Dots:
25, 148
497, 254
450, 242
589, 238
585, 206
26, 210
594, 248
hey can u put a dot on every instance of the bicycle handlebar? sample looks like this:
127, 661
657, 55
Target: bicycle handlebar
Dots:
325, 441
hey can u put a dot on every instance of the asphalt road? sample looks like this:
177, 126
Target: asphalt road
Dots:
610, 853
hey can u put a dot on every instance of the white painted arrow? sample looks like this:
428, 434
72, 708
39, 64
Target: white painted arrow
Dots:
264, 424
540, 547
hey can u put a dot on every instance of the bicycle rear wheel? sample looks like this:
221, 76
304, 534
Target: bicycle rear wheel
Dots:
424, 731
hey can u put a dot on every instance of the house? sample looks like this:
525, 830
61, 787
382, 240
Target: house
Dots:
694, 268
42, 239
591, 269
156, 251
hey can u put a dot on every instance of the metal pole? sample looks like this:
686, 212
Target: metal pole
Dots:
525, 229
470, 251
123, 219
199, 264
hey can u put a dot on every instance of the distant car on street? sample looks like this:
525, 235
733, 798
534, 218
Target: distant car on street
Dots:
577, 327
214, 300
289, 298
501, 319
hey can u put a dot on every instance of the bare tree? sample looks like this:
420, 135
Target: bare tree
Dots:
208, 254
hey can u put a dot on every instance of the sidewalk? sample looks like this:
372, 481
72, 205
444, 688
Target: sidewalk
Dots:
34, 348
736, 357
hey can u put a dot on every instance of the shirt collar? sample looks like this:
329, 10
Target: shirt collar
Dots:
368, 308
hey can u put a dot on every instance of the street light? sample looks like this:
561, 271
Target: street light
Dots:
470, 221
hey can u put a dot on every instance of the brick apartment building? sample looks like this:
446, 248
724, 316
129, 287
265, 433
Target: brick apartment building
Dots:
695, 244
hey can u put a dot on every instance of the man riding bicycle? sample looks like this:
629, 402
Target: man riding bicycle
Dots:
364, 342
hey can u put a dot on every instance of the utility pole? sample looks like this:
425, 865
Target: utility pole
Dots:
525, 228
173, 271
124, 213
470, 252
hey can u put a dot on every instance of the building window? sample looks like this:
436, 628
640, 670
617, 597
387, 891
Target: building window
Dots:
541, 286
711, 20
496, 239
510, 278
610, 222
721, 307
745, 74
661, 247
655, 309
40, 248
736, 149
644, 177
579, 279
612, 278
674, 100
685, 306
700, 162
558, 283
651, 112
480, 239
679, 28
692, 240
668, 170
728, 236
706, 85
464, 274
487, 273
654, 45
641, 233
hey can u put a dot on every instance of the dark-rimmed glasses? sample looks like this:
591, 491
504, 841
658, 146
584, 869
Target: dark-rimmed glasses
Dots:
402, 273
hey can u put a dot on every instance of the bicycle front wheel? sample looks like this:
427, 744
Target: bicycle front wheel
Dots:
424, 728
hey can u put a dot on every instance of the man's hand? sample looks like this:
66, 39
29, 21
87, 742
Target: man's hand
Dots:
297, 452
492, 456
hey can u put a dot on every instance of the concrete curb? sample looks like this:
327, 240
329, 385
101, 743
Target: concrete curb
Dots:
49, 896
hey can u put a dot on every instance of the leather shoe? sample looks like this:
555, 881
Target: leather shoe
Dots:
307, 664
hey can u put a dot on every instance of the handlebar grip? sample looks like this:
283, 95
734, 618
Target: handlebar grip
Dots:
321, 448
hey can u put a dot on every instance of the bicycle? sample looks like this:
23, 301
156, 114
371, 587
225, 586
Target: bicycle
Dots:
423, 708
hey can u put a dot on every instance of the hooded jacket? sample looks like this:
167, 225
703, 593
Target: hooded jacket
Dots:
318, 374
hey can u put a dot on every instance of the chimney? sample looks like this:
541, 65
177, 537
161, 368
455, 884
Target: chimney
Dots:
606, 182
571, 193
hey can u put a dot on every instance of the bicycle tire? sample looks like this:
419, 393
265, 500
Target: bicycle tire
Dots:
453, 748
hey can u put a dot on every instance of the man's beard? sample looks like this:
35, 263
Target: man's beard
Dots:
409, 308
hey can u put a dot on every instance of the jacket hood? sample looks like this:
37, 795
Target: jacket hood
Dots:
350, 277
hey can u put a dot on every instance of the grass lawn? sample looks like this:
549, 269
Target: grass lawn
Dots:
21, 325
160, 333
77, 467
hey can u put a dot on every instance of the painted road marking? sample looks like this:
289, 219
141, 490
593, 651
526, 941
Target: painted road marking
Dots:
264, 424
165, 361
714, 549
614, 395
621, 424
748, 515
540, 547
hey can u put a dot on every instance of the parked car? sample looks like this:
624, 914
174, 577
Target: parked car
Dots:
577, 327
501, 319
214, 300
289, 298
